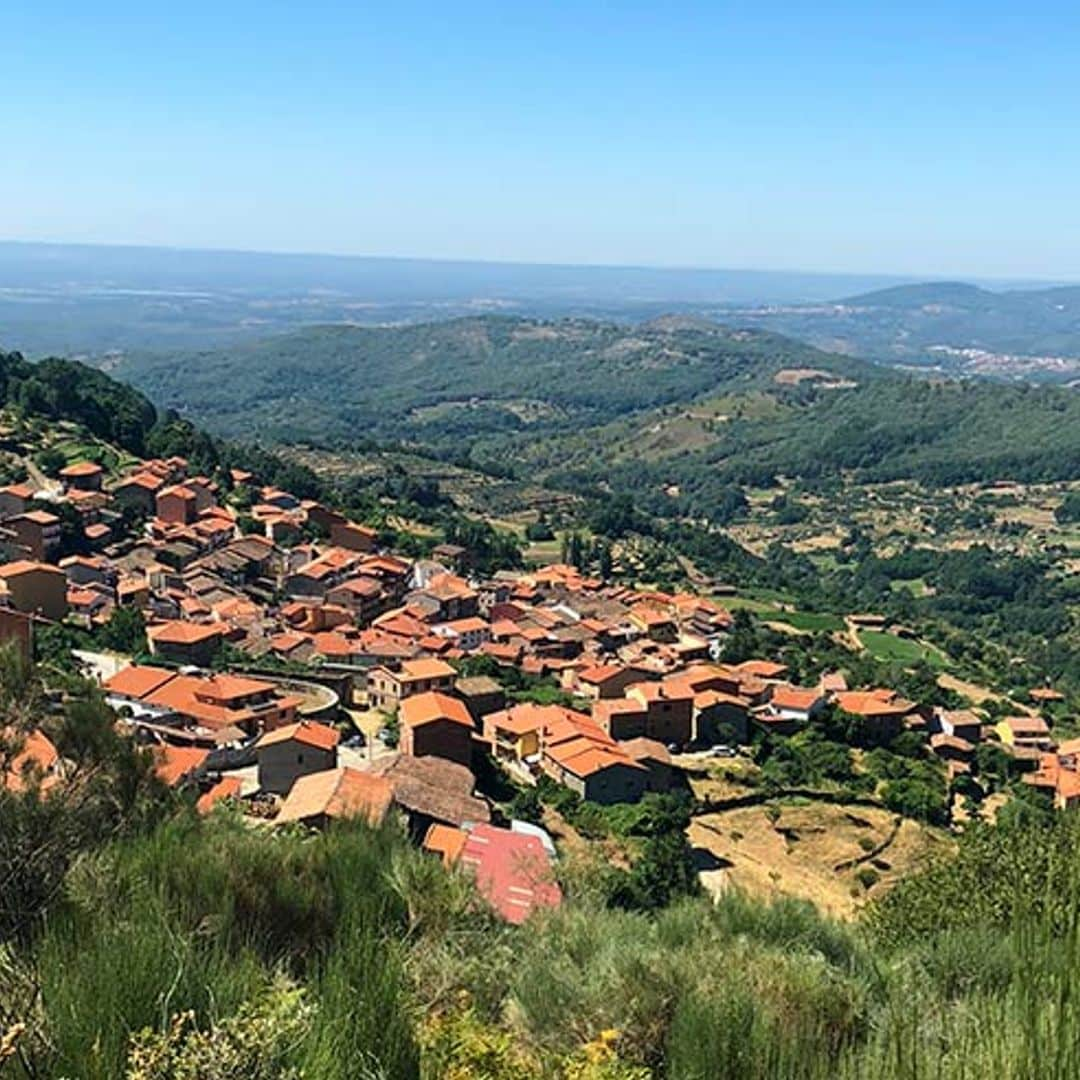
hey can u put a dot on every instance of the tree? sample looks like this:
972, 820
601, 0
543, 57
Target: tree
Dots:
125, 631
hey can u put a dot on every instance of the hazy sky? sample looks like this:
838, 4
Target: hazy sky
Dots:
927, 139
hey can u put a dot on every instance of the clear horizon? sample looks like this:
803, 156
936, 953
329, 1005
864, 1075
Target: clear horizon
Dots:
901, 142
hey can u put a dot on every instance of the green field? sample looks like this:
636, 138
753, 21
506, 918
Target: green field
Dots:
898, 650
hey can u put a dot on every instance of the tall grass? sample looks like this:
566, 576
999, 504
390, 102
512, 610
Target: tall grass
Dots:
207, 915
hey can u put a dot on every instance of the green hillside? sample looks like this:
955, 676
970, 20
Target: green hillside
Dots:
671, 404
461, 377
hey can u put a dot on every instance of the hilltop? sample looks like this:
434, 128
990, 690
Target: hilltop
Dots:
1021, 334
462, 376
683, 404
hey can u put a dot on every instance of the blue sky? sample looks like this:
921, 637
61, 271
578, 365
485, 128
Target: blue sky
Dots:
925, 139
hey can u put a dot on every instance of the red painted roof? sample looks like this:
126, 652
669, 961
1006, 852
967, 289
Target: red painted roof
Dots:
513, 871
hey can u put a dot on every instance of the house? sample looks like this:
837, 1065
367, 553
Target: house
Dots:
1024, 733
766, 670
82, 476
720, 717
186, 642
512, 870
87, 604
38, 532
880, 711
961, 723
655, 758
139, 492
432, 790
353, 537
446, 841
434, 724
136, 683
34, 588
482, 695
1057, 774
467, 634
177, 505
387, 688
594, 767
90, 570
787, 702
453, 596
622, 718
1045, 696
321, 797
654, 623
669, 711
216, 703
517, 733
605, 681
363, 596
952, 748
287, 753
15, 499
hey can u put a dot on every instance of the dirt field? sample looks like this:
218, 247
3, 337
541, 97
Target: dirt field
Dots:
806, 850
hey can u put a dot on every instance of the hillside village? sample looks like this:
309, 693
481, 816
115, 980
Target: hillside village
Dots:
296, 669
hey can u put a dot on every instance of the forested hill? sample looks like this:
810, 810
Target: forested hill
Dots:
477, 374
673, 403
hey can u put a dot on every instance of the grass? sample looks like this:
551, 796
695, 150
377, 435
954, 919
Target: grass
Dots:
898, 650
970, 971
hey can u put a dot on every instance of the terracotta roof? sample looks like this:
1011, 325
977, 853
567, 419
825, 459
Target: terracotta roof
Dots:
447, 841
600, 673
1046, 693
177, 632
431, 707
1026, 725
173, 763
794, 697
873, 703
425, 668
26, 566
138, 681
337, 793
307, 732
228, 787
82, 468
763, 669
528, 716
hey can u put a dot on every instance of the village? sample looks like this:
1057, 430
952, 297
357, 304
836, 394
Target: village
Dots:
301, 673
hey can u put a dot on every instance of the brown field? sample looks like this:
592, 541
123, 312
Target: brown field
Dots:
799, 854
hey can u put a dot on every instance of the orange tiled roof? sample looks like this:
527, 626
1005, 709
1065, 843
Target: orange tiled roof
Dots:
176, 632
173, 763
431, 707
447, 841
338, 793
307, 732
228, 787
138, 680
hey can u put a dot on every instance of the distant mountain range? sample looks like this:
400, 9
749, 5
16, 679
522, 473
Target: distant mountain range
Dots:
1028, 334
86, 300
